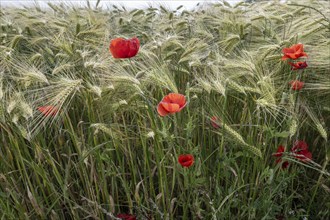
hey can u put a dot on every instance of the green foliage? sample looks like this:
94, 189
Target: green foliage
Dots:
107, 151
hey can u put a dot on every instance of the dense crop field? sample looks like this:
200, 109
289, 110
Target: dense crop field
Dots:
212, 118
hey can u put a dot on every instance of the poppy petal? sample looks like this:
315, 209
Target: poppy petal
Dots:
118, 48
287, 50
296, 84
172, 103
122, 48
279, 151
136, 45
161, 110
308, 155
292, 56
133, 46
48, 110
298, 47
186, 160
294, 52
300, 145
177, 98
214, 122
170, 107
126, 217
116, 42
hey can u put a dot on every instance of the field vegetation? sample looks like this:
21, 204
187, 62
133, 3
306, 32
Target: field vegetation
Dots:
81, 137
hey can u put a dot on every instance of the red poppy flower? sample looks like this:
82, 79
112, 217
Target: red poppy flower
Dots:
171, 104
122, 48
48, 110
279, 154
296, 85
186, 160
298, 65
126, 216
214, 122
301, 152
294, 52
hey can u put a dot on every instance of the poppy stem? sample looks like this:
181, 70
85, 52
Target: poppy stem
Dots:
296, 103
186, 191
223, 123
223, 137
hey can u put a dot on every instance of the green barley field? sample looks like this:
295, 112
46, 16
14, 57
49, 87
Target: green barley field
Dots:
220, 112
